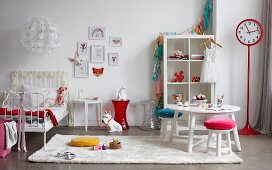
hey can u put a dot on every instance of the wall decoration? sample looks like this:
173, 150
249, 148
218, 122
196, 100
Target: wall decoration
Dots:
113, 59
98, 71
97, 33
82, 70
98, 54
115, 41
82, 48
76, 60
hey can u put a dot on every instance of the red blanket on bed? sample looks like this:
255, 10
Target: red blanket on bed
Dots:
48, 112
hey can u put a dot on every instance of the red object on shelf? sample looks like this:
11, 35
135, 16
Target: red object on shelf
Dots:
120, 107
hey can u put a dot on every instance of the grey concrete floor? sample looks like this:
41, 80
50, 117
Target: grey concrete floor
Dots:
256, 153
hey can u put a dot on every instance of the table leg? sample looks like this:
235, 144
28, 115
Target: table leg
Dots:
74, 114
235, 134
191, 133
86, 116
100, 116
173, 126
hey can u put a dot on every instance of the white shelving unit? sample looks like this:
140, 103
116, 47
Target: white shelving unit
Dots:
189, 45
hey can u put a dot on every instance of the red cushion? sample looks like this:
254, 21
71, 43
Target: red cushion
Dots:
219, 124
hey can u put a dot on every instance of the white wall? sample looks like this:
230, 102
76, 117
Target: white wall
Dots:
137, 21
232, 58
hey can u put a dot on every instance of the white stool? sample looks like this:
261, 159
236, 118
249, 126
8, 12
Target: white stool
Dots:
218, 140
219, 126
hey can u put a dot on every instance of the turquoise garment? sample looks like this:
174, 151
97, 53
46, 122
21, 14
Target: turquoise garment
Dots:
156, 61
207, 13
167, 113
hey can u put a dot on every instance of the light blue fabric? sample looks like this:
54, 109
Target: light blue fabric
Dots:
167, 113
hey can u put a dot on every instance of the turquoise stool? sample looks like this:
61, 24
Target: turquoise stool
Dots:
167, 115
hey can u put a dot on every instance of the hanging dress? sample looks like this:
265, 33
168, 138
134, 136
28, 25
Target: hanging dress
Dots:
209, 69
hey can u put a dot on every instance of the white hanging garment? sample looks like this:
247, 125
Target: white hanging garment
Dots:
209, 69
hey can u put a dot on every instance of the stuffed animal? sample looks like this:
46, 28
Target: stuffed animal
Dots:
115, 144
111, 123
122, 94
60, 97
178, 77
76, 60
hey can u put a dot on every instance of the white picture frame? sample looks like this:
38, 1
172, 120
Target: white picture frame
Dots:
115, 41
113, 59
98, 54
82, 71
82, 48
97, 33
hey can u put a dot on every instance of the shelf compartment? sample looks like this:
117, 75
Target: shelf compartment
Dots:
203, 88
174, 67
177, 88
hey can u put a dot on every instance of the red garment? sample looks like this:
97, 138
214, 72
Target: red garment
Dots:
48, 112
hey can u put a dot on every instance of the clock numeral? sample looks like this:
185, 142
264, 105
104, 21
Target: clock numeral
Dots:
244, 39
241, 27
249, 23
257, 36
239, 32
241, 37
248, 42
253, 40
254, 24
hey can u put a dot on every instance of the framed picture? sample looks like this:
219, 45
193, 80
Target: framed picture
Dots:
113, 59
82, 48
82, 71
97, 33
98, 54
115, 42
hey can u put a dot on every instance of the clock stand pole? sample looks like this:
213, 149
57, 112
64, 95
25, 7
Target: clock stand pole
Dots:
247, 130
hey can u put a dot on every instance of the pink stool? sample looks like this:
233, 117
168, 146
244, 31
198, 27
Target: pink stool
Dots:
219, 126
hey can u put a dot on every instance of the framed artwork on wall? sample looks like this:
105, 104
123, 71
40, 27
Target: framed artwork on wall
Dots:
98, 54
97, 33
82, 71
115, 41
113, 59
82, 48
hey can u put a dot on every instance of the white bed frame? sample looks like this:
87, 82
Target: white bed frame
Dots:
42, 79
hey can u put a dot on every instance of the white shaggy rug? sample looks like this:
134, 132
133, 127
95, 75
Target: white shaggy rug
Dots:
135, 149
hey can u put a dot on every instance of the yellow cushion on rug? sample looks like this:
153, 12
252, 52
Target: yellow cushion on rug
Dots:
85, 141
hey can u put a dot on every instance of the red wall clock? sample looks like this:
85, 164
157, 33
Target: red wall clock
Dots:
249, 32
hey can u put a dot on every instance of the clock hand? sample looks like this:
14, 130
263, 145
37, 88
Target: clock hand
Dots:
247, 29
253, 31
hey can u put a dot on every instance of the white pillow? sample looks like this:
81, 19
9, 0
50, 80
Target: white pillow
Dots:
35, 100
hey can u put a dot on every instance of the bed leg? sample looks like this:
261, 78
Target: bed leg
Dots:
44, 140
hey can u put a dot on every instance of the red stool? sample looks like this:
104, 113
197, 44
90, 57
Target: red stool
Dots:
120, 108
219, 126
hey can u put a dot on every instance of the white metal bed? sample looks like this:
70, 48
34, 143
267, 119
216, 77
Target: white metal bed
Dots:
44, 79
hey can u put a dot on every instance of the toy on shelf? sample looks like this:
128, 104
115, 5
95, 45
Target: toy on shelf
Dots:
115, 144
178, 98
111, 123
220, 101
178, 55
200, 98
122, 94
179, 77
195, 79
76, 60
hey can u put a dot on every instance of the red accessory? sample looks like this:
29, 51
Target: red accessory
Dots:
195, 79
249, 32
98, 71
178, 77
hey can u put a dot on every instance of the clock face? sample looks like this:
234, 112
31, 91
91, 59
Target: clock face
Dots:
249, 32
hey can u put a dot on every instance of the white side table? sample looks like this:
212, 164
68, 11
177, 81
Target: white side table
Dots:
86, 103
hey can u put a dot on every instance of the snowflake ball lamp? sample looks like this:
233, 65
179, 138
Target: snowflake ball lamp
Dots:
40, 35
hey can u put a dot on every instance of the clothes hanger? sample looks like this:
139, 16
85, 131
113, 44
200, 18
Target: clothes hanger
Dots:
211, 40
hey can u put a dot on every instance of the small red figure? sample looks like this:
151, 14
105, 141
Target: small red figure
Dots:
178, 77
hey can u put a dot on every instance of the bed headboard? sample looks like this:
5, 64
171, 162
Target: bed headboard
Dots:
39, 78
